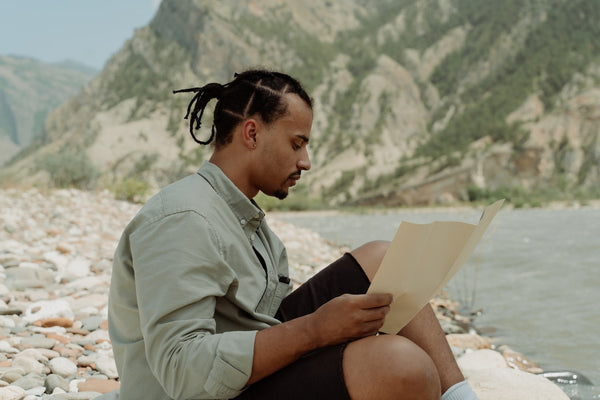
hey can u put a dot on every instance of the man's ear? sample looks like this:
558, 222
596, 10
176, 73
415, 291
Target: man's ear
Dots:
249, 133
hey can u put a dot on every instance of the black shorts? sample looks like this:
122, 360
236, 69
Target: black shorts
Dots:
318, 374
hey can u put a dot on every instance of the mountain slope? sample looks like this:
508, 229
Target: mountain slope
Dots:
29, 90
416, 102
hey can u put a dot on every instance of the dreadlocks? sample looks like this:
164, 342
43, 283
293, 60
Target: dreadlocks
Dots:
253, 92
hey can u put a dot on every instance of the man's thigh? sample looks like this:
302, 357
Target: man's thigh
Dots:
343, 276
317, 375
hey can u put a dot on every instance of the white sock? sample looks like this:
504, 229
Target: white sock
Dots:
460, 391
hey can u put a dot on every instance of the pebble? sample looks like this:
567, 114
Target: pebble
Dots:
30, 381
468, 341
54, 381
99, 385
62, 366
28, 365
56, 250
12, 393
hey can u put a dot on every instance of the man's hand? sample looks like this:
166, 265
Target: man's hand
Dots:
339, 320
349, 317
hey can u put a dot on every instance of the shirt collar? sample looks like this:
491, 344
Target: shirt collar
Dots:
247, 212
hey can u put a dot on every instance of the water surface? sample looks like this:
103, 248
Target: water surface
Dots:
535, 274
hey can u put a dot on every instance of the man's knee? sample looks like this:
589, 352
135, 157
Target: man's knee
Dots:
370, 255
389, 366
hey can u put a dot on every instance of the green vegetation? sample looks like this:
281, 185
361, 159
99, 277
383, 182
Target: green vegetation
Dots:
145, 79
131, 189
565, 43
539, 196
590, 160
8, 124
312, 55
134, 187
69, 168
299, 199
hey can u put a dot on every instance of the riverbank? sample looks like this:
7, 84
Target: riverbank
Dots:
56, 251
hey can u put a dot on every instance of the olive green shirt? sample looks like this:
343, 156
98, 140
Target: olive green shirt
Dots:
189, 291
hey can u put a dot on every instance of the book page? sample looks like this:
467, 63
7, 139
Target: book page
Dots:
420, 261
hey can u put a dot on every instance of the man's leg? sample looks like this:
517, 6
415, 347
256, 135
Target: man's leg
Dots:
389, 367
424, 329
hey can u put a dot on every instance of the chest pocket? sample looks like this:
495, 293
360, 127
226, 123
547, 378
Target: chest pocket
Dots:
274, 291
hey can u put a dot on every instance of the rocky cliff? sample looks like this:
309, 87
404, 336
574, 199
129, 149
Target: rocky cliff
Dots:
416, 102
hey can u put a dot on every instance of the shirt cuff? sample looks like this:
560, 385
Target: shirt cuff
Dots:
232, 365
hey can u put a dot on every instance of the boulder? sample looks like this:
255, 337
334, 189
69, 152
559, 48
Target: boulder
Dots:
513, 384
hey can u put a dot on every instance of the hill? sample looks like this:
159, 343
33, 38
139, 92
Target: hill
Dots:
29, 90
416, 102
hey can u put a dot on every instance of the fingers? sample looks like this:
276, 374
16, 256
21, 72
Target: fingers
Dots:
350, 316
372, 300
375, 314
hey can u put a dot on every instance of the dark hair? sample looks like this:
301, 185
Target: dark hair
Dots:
253, 92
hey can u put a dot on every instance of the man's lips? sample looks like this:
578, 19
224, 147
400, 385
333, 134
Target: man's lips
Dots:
293, 178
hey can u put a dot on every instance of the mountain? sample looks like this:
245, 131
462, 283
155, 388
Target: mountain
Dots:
29, 90
416, 101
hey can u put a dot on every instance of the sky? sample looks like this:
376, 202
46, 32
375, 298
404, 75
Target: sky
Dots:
87, 31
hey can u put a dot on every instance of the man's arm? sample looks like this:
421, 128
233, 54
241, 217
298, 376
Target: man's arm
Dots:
180, 274
341, 319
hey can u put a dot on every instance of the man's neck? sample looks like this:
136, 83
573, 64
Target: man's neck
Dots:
236, 170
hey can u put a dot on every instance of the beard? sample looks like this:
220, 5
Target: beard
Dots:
280, 194
283, 191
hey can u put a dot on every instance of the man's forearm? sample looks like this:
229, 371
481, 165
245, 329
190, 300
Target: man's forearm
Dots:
281, 345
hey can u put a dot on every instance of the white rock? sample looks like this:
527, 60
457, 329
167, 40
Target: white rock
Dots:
88, 310
77, 268
6, 322
62, 366
59, 260
33, 353
47, 309
74, 385
36, 391
99, 334
49, 354
85, 361
481, 359
107, 367
48, 329
12, 393
28, 264
507, 383
28, 365
5, 347
89, 282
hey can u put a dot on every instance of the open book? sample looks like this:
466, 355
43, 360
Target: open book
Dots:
421, 260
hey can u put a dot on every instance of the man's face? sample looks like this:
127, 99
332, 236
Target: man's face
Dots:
283, 149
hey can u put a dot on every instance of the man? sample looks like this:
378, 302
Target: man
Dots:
200, 304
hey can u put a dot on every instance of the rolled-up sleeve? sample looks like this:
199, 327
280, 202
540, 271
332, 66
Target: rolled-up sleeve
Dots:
180, 271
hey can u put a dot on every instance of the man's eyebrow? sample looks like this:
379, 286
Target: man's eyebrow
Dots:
304, 138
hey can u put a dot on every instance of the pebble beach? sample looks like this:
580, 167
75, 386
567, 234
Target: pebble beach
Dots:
56, 249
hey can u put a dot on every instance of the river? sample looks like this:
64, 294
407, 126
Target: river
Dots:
535, 275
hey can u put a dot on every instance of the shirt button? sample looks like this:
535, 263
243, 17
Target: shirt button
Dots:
243, 221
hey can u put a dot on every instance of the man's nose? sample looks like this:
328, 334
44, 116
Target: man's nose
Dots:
304, 161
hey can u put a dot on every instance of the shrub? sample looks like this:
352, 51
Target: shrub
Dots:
69, 168
130, 189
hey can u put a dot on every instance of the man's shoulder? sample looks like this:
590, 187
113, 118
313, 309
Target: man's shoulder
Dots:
190, 194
